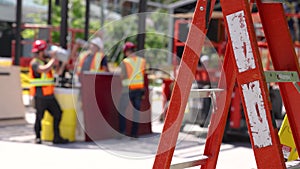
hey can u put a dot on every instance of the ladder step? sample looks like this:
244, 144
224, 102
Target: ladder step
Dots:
201, 93
191, 163
293, 164
281, 76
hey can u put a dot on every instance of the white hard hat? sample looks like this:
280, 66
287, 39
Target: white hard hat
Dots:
204, 58
98, 42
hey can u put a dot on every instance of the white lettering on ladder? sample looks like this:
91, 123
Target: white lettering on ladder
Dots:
257, 114
240, 41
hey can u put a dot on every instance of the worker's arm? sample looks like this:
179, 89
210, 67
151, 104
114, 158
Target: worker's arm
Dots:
105, 68
123, 74
79, 43
61, 68
74, 50
104, 64
47, 67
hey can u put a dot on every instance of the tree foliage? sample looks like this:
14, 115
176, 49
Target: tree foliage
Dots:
115, 32
76, 17
126, 29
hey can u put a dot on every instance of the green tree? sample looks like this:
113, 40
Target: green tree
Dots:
115, 32
126, 29
76, 17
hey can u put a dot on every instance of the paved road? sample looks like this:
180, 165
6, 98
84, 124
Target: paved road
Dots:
19, 152
125, 154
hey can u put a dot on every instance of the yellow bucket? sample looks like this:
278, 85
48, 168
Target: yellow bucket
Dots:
68, 117
67, 130
66, 98
286, 139
68, 122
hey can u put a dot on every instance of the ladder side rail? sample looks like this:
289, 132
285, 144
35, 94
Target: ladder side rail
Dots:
184, 79
219, 116
284, 58
252, 84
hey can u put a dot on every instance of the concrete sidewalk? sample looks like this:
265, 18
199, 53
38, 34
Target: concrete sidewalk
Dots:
19, 152
87, 155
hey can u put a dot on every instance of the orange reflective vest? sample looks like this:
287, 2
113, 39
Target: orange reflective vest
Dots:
135, 69
46, 81
96, 62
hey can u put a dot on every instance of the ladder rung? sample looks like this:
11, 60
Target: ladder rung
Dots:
191, 163
200, 93
293, 164
281, 76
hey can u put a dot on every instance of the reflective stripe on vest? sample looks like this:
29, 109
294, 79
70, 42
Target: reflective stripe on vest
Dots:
46, 81
41, 82
135, 71
96, 62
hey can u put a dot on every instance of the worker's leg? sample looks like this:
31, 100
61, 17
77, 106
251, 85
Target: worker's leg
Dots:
136, 100
205, 111
123, 103
40, 107
55, 110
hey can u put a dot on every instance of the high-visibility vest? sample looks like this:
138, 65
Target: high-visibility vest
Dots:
96, 62
46, 81
135, 68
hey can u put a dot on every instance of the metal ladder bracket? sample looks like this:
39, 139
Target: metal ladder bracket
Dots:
273, 1
281, 76
201, 93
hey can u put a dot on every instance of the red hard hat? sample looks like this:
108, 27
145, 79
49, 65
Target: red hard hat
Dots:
128, 45
39, 45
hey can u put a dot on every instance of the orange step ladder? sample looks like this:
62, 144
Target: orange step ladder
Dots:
242, 64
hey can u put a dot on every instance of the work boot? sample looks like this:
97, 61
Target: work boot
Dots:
60, 140
38, 141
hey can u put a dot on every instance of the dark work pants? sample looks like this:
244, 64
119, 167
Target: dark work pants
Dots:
50, 104
135, 97
205, 111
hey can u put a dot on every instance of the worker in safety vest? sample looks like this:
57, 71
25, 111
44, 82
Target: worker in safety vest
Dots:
93, 59
42, 89
132, 76
205, 84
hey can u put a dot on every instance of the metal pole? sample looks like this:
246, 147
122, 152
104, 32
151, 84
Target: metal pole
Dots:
103, 7
115, 5
171, 35
87, 20
49, 22
64, 24
18, 32
142, 25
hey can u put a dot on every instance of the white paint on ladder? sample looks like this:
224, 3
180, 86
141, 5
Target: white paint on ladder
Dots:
240, 41
256, 113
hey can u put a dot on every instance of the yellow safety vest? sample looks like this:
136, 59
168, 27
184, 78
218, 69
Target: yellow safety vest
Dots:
135, 68
96, 62
46, 81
